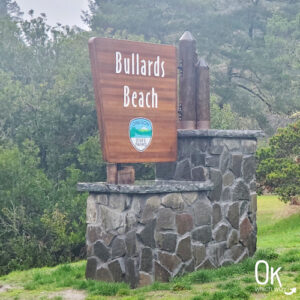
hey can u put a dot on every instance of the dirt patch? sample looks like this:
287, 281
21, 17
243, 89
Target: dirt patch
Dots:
69, 295
4, 288
289, 210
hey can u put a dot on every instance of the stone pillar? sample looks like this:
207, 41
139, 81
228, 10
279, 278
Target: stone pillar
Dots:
142, 234
204, 217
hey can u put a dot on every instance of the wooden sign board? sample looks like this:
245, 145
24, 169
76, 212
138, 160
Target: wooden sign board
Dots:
136, 93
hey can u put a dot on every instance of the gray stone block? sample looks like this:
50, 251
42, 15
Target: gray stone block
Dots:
216, 252
184, 147
243, 256
228, 179
167, 241
146, 235
248, 146
233, 238
117, 270
224, 161
130, 242
146, 260
216, 178
226, 194
248, 168
165, 219
145, 279
93, 232
131, 220
103, 274
236, 164
216, 146
253, 186
183, 170
110, 219
240, 191
165, 171
173, 201
202, 212
245, 230
190, 197
233, 215
91, 210
207, 264
189, 266
199, 253
237, 251
200, 144
100, 199
244, 207
251, 244
119, 202
137, 204
253, 202
220, 233
202, 234
199, 174
132, 274
169, 261
151, 207
216, 214
91, 267
118, 247
198, 158
101, 251
232, 144
184, 250
212, 161
184, 223
161, 273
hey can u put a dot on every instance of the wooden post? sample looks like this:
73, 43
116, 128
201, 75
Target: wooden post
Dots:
111, 173
119, 174
203, 95
187, 84
126, 175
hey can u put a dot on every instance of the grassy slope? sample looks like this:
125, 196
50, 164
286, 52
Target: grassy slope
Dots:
279, 229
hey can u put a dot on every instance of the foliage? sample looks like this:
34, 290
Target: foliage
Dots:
40, 223
48, 126
222, 117
251, 46
278, 164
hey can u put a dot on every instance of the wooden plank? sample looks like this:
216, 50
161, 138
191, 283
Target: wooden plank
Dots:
187, 83
152, 81
203, 95
126, 175
111, 173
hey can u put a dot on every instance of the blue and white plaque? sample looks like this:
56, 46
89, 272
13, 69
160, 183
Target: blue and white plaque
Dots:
140, 133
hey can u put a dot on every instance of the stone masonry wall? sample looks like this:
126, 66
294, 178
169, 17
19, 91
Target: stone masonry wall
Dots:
140, 238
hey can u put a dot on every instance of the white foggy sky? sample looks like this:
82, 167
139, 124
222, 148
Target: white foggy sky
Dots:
66, 12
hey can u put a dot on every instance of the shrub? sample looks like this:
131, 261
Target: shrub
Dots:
278, 168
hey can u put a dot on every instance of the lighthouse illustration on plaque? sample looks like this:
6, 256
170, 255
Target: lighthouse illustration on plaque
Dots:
140, 133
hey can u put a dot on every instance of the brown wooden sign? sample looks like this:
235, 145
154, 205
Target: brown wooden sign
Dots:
136, 93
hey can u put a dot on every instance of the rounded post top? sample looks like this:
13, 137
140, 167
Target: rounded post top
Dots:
202, 63
187, 36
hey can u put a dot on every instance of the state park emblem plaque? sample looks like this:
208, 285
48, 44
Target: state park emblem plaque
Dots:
140, 133
136, 98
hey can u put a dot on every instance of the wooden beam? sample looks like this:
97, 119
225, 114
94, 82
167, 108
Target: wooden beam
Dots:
187, 83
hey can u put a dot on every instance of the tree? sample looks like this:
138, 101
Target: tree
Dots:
234, 36
279, 164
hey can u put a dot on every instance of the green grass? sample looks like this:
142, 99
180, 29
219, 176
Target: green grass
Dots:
278, 242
